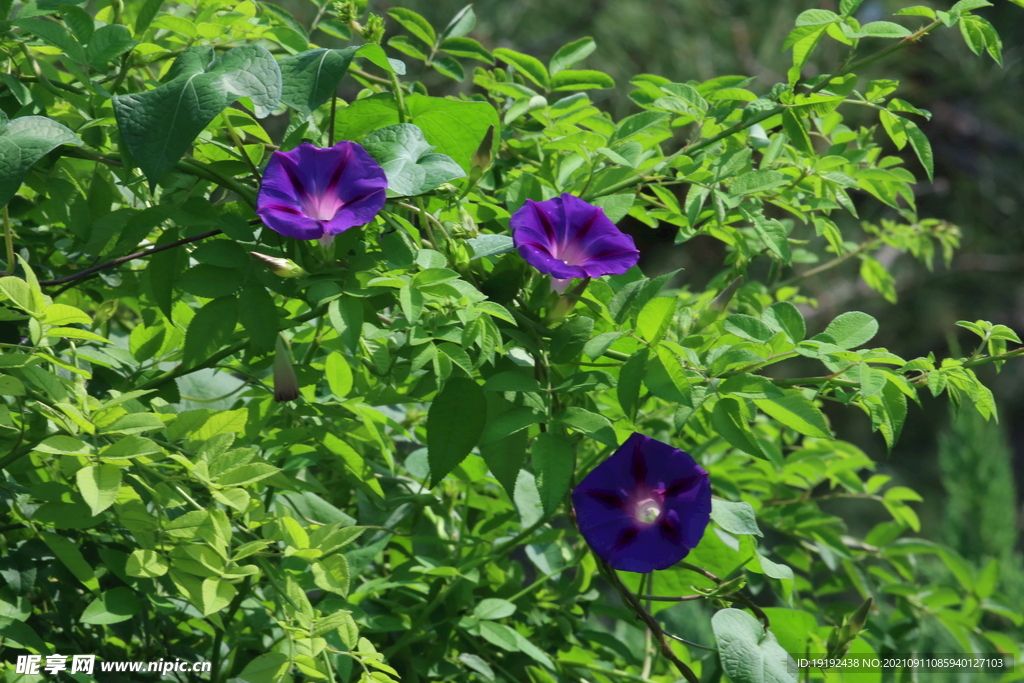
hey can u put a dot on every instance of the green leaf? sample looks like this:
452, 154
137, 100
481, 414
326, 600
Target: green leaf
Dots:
455, 423
569, 339
880, 29
54, 34
146, 564
630, 379
71, 557
490, 245
794, 128
332, 574
773, 233
414, 24
456, 127
407, 47
530, 67
730, 422
210, 330
758, 181
407, 159
783, 316
796, 411
571, 54
258, 315
449, 67
269, 668
735, 517
749, 386
11, 386
581, 80
749, 653
62, 314
107, 44
461, 24
500, 635
158, 125
803, 40
479, 665
146, 14
878, 278
113, 607
852, 329
339, 375
467, 48
922, 147
346, 316
354, 462
494, 608
99, 485
311, 78
596, 426
816, 17
747, 327
553, 463
23, 142
655, 317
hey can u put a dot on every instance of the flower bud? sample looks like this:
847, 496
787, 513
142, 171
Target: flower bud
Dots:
286, 383
346, 11
373, 32
281, 267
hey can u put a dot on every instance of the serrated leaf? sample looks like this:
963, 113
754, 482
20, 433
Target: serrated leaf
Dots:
785, 317
852, 329
159, 125
99, 485
797, 412
729, 421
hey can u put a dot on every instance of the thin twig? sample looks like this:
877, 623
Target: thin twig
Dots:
130, 257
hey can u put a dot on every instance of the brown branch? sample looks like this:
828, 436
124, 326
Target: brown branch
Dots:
650, 621
124, 259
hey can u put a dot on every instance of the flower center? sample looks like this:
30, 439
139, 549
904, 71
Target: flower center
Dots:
648, 511
321, 207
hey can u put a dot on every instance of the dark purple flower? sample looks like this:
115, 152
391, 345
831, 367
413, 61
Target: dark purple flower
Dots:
568, 238
310, 192
645, 507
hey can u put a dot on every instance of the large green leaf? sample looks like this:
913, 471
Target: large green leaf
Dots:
852, 329
455, 127
455, 423
729, 421
797, 412
749, 653
553, 462
113, 607
408, 159
98, 485
159, 125
23, 142
309, 79
210, 329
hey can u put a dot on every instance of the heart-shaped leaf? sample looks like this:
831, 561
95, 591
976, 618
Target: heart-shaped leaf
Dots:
409, 161
23, 142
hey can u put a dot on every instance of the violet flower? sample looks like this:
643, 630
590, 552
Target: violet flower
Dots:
645, 507
569, 238
313, 193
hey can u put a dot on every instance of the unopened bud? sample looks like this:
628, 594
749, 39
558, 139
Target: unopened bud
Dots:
373, 32
721, 302
286, 383
281, 267
482, 156
346, 11
448, 189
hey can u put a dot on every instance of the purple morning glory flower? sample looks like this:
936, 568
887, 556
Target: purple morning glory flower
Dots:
311, 192
645, 507
569, 238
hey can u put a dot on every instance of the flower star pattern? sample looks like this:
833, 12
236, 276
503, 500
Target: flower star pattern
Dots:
312, 192
645, 507
568, 238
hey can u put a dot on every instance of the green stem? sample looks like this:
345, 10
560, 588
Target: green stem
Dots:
396, 88
9, 239
633, 604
